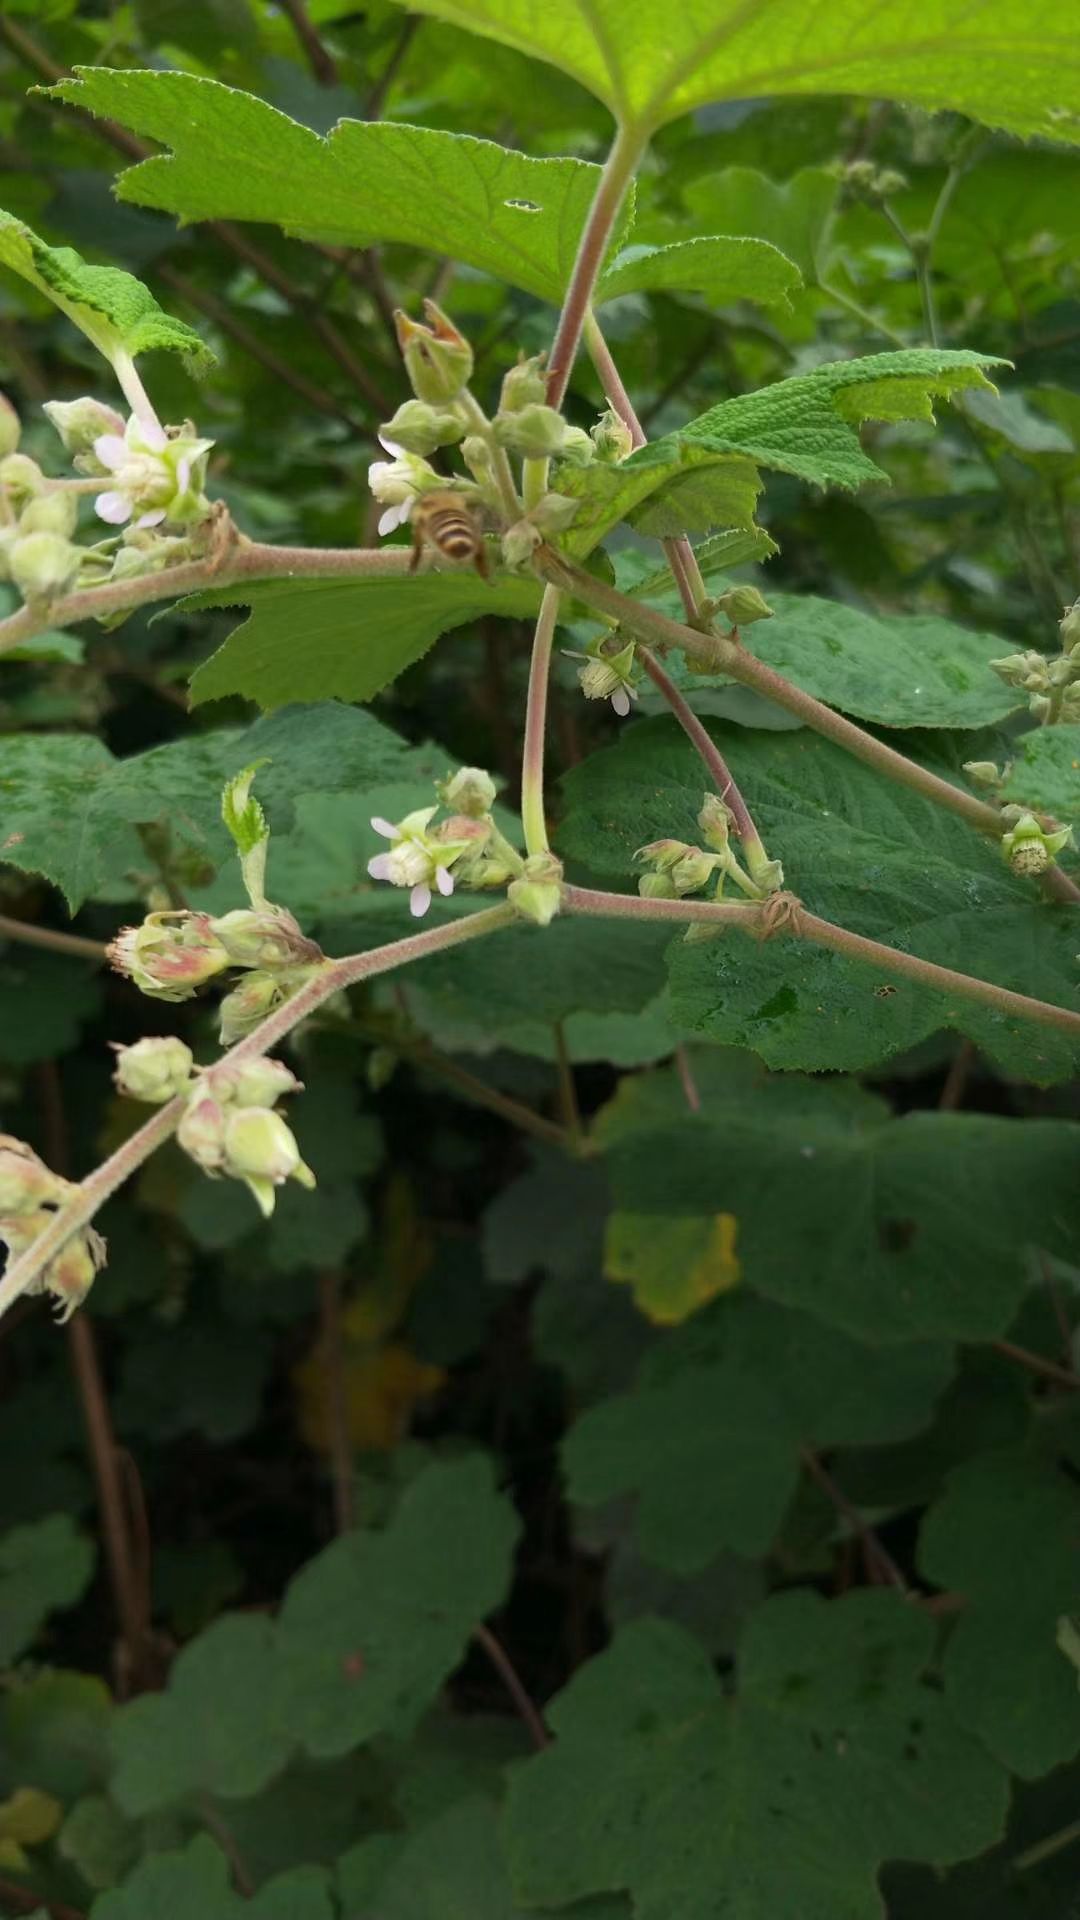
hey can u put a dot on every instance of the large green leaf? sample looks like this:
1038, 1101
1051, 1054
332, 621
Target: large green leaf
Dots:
718, 266
43, 1566
692, 490
834, 1756
1046, 771
196, 1884
795, 215
233, 156
111, 307
1005, 1535
342, 640
860, 851
997, 61
885, 1251
807, 425
709, 1439
901, 670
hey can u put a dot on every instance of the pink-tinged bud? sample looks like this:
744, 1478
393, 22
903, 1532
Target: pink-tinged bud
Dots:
260, 1149
26, 1183
154, 1069
170, 955
249, 1003
263, 939
253, 1083
70, 1276
201, 1133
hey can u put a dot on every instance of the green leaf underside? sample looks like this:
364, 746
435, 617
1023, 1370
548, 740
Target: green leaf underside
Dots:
709, 1438
720, 267
367, 1633
342, 640
692, 491
1004, 1533
1046, 771
833, 1757
908, 1229
234, 157
996, 61
806, 425
858, 850
70, 808
111, 307
901, 670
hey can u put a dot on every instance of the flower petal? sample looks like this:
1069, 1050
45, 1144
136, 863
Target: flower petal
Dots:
419, 901
620, 700
390, 519
183, 474
111, 450
384, 827
444, 880
153, 435
151, 519
379, 866
391, 446
113, 507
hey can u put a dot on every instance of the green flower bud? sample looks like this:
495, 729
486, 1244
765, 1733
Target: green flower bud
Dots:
715, 821
80, 422
767, 875
255, 938
577, 449
477, 456
260, 1149
656, 886
742, 606
56, 512
1069, 627
1039, 706
438, 359
154, 1069
10, 426
21, 476
44, 566
418, 427
252, 1083
170, 955
256, 996
889, 182
612, 438
1029, 848
520, 542
26, 1183
662, 855
1017, 669
693, 871
524, 385
201, 1133
537, 896
554, 513
535, 432
470, 791
983, 773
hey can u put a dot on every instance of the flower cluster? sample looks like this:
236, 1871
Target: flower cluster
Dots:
1051, 684
677, 868
229, 1126
30, 1194
171, 954
465, 848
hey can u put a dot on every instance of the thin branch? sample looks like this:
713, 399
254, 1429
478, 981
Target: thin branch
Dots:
611, 190
510, 1678
24, 1901
568, 1100
876, 1555
686, 1079
332, 1356
533, 820
332, 977
1038, 1363
955, 1084
31, 936
782, 913
718, 769
377, 97
319, 57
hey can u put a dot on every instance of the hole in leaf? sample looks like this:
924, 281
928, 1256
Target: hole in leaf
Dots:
524, 206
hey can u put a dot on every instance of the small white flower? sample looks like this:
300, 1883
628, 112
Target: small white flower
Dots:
398, 483
155, 478
607, 676
416, 858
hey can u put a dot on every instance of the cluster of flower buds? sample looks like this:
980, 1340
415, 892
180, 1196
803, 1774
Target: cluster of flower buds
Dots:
1051, 684
465, 848
152, 485
1027, 846
171, 954
676, 868
609, 672
865, 180
30, 1194
229, 1126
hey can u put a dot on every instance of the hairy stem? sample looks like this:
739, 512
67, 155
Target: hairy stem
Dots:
331, 978
730, 657
618, 172
50, 937
784, 914
533, 822
710, 754
500, 459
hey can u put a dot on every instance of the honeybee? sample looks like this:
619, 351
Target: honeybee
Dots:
451, 524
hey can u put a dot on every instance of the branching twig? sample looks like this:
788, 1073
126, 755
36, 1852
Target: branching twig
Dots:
876, 1555
319, 58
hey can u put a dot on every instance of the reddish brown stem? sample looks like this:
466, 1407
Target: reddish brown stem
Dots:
513, 1683
1038, 1363
332, 1354
877, 1556
719, 771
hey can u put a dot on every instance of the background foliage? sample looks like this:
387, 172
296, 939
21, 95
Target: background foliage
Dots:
642, 1476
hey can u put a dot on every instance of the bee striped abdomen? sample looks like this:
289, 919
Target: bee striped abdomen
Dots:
448, 522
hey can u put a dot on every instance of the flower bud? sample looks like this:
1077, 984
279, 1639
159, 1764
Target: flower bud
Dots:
420, 428
438, 359
520, 542
1015, 668
80, 422
154, 1069
260, 1149
661, 855
252, 1083
889, 181
44, 566
537, 895
70, 1276
693, 871
742, 606
470, 791
1069, 628
554, 513
536, 432
55, 512
26, 1183
715, 821
169, 955
612, 438
21, 477
577, 448
257, 995
984, 773
10, 427
656, 886
1029, 847
524, 385
477, 456
767, 875
252, 938
201, 1133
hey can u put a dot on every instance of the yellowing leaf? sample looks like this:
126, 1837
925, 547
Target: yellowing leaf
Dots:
29, 1816
673, 1264
383, 1385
